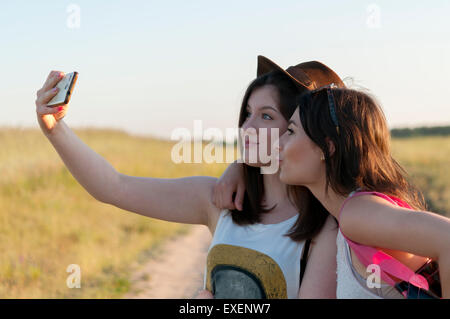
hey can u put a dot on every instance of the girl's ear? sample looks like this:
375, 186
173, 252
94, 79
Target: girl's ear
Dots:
331, 147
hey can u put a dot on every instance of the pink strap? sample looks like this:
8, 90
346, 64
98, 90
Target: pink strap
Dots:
388, 264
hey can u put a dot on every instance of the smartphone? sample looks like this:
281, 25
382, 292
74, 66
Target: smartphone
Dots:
65, 85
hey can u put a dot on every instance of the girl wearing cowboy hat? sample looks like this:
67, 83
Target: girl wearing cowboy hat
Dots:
250, 256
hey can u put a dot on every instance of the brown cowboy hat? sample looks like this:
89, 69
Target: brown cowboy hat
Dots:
308, 75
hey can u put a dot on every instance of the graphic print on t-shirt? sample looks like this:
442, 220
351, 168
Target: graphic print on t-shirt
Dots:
239, 272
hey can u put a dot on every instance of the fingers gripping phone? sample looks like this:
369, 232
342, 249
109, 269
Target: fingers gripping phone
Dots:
65, 86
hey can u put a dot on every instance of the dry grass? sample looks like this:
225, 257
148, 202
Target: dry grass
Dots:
427, 161
48, 221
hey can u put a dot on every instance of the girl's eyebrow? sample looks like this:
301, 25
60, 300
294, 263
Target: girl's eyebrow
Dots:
292, 122
265, 107
270, 107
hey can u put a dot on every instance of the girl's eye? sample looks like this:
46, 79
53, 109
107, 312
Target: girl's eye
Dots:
248, 114
290, 131
267, 116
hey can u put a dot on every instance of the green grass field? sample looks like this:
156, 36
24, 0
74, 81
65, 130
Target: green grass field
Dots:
48, 221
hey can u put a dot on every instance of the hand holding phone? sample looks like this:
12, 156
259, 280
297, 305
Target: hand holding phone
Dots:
53, 98
65, 86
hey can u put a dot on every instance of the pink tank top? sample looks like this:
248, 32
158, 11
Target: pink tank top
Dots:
389, 266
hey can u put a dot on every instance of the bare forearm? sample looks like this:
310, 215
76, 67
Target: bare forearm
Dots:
91, 170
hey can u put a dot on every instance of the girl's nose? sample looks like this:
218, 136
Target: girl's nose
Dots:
248, 125
249, 131
281, 142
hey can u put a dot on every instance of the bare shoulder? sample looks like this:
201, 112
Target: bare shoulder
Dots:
359, 208
204, 187
368, 217
212, 211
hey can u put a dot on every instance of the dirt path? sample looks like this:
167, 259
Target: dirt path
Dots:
177, 271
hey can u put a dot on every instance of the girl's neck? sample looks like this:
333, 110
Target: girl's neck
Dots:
275, 192
330, 200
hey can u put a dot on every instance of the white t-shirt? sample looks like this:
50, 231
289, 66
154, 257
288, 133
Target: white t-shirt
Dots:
253, 261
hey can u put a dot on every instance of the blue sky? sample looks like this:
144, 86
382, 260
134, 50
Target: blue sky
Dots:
151, 66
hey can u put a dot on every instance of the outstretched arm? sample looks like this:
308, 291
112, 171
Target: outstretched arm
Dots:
184, 200
181, 200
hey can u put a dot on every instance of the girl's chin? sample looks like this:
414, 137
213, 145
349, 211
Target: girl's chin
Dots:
253, 164
265, 168
284, 177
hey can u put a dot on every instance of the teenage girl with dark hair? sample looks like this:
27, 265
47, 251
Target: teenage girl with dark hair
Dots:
337, 145
251, 241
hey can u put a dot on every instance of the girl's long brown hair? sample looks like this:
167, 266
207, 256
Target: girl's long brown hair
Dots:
362, 156
307, 225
